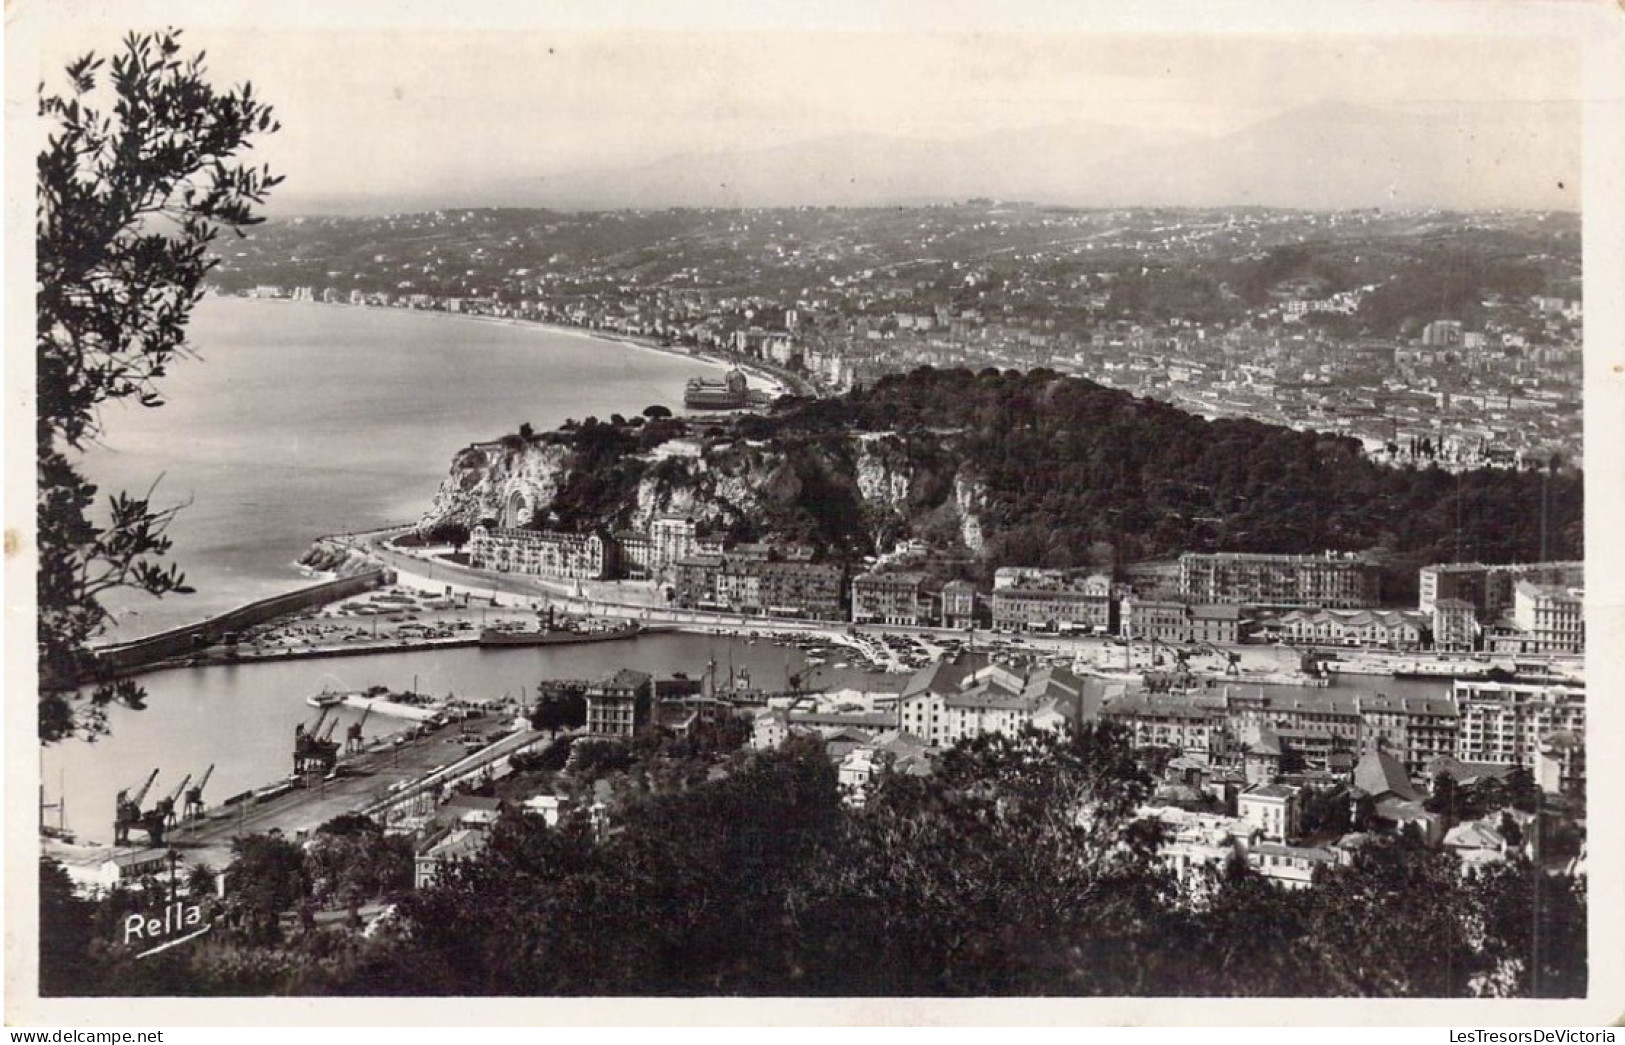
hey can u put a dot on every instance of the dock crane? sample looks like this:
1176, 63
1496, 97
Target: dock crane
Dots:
192, 809
1232, 659
352, 743
162, 814
127, 810
166, 805
312, 750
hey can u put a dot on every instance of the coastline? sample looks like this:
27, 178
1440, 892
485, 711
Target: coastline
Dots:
770, 382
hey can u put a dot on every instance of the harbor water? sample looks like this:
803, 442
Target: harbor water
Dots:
241, 717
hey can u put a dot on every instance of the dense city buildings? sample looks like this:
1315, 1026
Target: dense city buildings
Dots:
1338, 322
1303, 727
1548, 618
968, 696
747, 581
653, 554
1490, 589
1192, 725
1516, 608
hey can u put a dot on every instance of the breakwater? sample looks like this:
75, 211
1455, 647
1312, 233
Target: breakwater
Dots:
190, 638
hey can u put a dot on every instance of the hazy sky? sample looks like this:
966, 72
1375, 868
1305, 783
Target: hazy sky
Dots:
374, 112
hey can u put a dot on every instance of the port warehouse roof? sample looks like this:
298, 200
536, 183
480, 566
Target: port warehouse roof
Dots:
1355, 618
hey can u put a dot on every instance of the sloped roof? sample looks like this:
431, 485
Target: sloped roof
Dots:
945, 676
991, 697
1378, 774
628, 678
1474, 835
1561, 739
463, 842
1402, 810
1467, 772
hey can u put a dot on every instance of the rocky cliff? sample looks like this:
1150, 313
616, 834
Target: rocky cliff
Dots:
856, 493
505, 482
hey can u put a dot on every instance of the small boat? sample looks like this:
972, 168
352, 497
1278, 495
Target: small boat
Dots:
325, 699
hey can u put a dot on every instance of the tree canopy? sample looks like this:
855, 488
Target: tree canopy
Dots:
136, 180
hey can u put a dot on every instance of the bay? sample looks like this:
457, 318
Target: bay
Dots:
298, 419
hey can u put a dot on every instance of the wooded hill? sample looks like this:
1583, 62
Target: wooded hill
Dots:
1064, 472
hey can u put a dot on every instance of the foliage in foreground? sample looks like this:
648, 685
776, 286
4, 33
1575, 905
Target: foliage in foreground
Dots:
136, 180
1019, 868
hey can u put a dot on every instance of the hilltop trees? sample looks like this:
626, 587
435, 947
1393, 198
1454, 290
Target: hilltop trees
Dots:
1059, 471
136, 179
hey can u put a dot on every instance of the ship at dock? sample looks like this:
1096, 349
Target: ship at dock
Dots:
558, 636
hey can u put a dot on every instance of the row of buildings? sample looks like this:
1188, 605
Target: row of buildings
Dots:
1538, 725
761, 580
1263, 731
1222, 598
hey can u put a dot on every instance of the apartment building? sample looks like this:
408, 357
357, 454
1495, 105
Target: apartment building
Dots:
1193, 726
619, 706
1551, 618
542, 553
751, 583
893, 598
1053, 600
1510, 723
1332, 580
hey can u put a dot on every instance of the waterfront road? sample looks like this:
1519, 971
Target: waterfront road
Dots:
645, 603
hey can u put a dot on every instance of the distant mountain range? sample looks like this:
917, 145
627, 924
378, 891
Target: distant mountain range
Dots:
1323, 156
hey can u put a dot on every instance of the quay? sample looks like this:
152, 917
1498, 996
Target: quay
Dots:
382, 705
389, 781
129, 657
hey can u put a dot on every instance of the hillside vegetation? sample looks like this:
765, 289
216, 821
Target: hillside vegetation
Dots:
1002, 468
